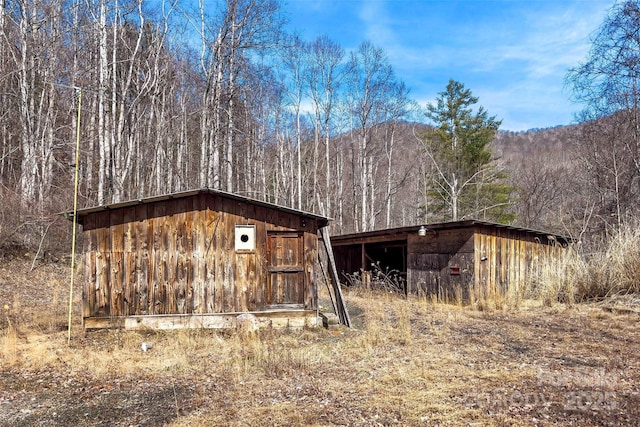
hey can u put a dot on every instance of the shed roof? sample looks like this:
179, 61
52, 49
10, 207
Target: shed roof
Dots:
399, 232
86, 211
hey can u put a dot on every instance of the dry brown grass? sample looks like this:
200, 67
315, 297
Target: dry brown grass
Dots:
406, 362
612, 270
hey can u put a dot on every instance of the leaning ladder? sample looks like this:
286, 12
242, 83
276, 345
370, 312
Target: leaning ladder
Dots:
335, 291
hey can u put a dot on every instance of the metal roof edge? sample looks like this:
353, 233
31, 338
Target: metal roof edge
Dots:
189, 193
447, 225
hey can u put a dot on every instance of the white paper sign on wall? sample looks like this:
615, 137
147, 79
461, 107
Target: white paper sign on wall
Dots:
245, 238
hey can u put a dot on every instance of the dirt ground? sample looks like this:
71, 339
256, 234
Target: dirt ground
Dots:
406, 362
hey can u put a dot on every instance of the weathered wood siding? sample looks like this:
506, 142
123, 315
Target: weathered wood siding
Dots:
441, 264
476, 263
454, 261
178, 256
505, 259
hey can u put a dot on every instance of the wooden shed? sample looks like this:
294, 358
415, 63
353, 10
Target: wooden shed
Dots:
453, 261
198, 259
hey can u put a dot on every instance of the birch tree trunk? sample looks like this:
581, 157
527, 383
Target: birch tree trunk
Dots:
104, 145
324, 77
369, 95
124, 142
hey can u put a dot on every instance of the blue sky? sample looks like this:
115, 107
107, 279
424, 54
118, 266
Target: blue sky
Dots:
513, 55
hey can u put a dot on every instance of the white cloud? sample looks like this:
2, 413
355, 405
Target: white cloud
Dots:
514, 55
515, 61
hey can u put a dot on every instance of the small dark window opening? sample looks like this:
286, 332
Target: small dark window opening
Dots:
244, 238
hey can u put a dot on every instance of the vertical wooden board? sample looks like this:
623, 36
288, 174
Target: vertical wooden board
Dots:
157, 292
260, 271
517, 260
535, 253
170, 238
116, 279
512, 261
523, 262
504, 261
229, 259
190, 216
531, 250
527, 260
129, 262
143, 250
489, 268
249, 283
514, 238
116, 224
103, 289
130, 235
130, 300
217, 255
220, 266
242, 266
102, 232
116, 271
212, 222
509, 249
270, 283
228, 281
310, 287
89, 243
198, 282
304, 278
477, 261
181, 241
493, 279
290, 285
89, 284
483, 277
528, 257
197, 256
103, 293
278, 290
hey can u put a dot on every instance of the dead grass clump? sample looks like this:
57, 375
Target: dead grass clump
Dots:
403, 325
279, 363
613, 270
580, 277
555, 281
377, 279
9, 341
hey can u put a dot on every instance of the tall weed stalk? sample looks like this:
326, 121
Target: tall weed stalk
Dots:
610, 270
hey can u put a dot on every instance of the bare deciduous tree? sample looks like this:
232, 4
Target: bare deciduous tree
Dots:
607, 83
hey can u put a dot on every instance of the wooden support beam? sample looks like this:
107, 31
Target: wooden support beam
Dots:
327, 283
342, 312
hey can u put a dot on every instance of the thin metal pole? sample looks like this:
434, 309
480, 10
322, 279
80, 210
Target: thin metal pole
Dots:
75, 211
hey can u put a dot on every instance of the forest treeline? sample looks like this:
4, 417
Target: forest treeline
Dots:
175, 95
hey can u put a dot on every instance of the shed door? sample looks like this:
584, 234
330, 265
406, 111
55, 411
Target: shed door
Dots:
285, 257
